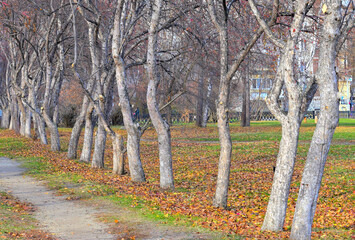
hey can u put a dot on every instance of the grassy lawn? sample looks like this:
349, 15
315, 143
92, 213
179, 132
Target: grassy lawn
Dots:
195, 172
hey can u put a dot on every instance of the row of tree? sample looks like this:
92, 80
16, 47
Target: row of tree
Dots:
106, 45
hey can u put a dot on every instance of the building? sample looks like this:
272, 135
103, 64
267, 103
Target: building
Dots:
344, 87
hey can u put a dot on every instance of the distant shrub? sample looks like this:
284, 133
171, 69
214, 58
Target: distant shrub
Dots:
68, 116
117, 117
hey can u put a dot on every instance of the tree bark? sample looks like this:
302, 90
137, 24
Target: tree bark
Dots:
99, 148
199, 106
14, 124
133, 131
276, 209
290, 122
77, 128
53, 128
41, 129
101, 134
118, 155
161, 126
328, 119
23, 113
53, 131
245, 118
221, 195
28, 123
88, 136
226, 74
5, 119
206, 107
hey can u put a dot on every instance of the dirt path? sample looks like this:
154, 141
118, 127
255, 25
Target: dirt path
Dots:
79, 220
65, 219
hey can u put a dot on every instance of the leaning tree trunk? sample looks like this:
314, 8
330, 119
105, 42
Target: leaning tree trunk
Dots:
277, 205
133, 130
161, 126
276, 209
79, 123
314, 168
327, 122
164, 139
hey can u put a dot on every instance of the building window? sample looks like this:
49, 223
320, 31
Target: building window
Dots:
256, 83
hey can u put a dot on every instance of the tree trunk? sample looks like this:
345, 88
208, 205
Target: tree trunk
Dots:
77, 128
327, 122
199, 106
101, 136
15, 125
39, 123
28, 123
5, 120
53, 131
164, 139
276, 209
245, 118
45, 110
56, 115
41, 129
168, 114
88, 136
133, 130
99, 149
206, 103
314, 168
118, 155
161, 126
22, 116
221, 196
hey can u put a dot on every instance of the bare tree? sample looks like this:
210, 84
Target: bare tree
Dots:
334, 30
133, 10
219, 13
161, 126
300, 95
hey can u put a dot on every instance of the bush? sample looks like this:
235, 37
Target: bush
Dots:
68, 116
117, 117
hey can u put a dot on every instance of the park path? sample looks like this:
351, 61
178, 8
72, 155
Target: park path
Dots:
65, 219
73, 220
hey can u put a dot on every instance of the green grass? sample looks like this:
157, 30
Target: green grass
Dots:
9, 144
12, 220
273, 133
